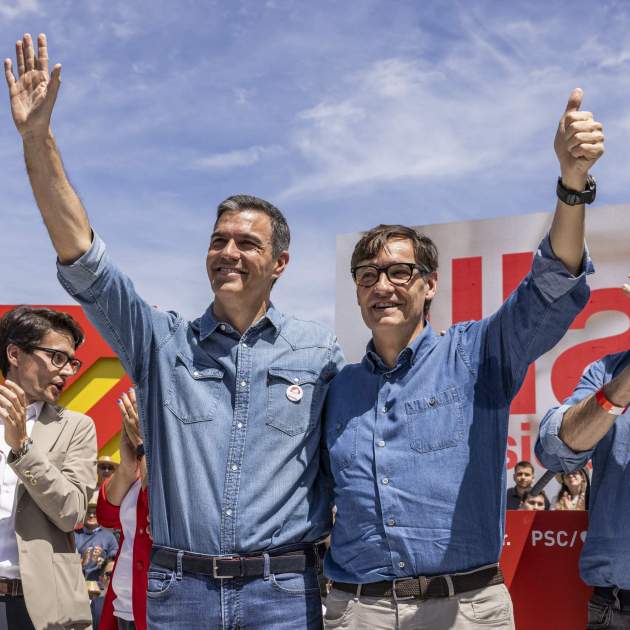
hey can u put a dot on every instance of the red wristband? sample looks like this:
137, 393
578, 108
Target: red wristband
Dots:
606, 405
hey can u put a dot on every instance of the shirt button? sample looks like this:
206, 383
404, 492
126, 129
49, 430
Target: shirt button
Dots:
386, 375
141, 531
380, 443
243, 383
222, 326
432, 401
391, 522
228, 512
384, 409
239, 425
234, 467
401, 564
385, 481
296, 380
195, 374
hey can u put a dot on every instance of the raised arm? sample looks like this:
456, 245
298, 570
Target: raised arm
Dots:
579, 143
587, 421
33, 96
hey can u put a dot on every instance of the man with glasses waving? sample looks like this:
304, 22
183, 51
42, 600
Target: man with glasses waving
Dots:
417, 432
47, 472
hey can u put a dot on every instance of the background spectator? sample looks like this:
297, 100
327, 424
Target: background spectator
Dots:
95, 544
103, 582
105, 468
523, 483
535, 502
574, 490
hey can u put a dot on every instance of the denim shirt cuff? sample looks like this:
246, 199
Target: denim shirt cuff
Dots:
82, 273
552, 442
551, 276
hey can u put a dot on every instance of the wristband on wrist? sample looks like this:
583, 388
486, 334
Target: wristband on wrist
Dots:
606, 405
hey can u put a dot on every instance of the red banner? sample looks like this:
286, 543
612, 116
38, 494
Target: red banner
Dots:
540, 563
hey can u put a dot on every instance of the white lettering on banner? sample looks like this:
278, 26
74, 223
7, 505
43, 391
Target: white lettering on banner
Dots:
560, 538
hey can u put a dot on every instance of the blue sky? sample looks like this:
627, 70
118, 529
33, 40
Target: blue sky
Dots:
344, 114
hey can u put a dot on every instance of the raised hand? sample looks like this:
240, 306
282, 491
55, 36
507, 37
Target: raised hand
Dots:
579, 142
13, 414
34, 93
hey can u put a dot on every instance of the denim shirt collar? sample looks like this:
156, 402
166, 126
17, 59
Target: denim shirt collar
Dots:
208, 323
409, 355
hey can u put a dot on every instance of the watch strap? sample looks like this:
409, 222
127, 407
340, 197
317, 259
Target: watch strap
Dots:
574, 197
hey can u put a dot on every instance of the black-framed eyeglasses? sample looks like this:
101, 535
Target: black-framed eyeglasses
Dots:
397, 273
60, 359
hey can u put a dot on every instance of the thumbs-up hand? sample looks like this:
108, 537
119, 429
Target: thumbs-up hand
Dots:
579, 142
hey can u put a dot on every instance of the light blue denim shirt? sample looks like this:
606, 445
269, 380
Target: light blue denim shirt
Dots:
418, 451
233, 462
605, 559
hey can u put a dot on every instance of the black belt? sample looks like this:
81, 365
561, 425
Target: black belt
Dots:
612, 593
281, 560
424, 587
11, 587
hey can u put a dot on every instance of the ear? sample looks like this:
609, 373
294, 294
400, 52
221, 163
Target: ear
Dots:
430, 282
13, 352
280, 264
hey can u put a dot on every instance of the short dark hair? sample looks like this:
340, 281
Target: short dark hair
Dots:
524, 464
374, 240
280, 234
26, 326
530, 495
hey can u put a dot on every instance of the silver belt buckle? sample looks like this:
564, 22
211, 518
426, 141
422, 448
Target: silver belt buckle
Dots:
215, 568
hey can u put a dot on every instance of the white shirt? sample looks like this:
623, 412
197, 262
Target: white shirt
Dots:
9, 559
123, 573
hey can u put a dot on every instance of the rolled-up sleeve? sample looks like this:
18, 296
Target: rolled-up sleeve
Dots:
550, 449
81, 274
553, 453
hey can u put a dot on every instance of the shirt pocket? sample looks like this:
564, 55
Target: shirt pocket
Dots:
298, 413
195, 390
435, 422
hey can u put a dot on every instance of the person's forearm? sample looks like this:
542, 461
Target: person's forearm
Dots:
60, 206
586, 423
119, 484
567, 230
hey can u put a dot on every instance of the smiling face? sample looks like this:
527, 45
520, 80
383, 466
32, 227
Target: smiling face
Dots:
573, 481
388, 307
240, 262
34, 371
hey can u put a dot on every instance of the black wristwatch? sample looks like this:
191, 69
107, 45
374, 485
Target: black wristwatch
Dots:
574, 198
140, 451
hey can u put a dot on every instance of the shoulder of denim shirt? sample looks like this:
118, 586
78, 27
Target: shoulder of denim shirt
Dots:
302, 333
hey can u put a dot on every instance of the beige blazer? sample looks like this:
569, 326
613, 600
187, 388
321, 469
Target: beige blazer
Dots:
56, 477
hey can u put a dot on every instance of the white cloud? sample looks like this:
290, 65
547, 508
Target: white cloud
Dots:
18, 8
237, 158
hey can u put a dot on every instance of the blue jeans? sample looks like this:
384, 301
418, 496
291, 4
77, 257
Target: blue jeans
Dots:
287, 601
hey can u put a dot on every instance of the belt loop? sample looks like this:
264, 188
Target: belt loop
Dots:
178, 571
449, 582
266, 566
424, 585
357, 595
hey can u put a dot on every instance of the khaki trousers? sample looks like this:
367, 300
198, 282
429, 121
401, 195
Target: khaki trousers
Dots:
489, 607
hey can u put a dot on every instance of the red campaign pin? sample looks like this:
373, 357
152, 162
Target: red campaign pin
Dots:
295, 393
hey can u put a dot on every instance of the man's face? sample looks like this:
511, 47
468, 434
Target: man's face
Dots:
535, 504
34, 371
90, 518
387, 306
523, 477
104, 470
239, 261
